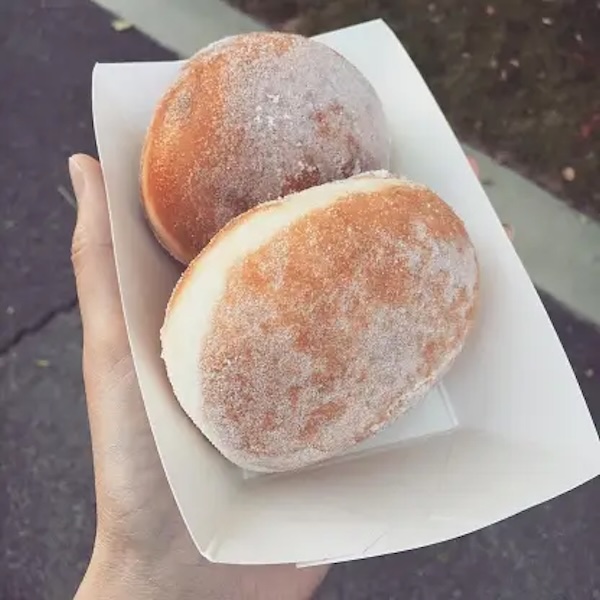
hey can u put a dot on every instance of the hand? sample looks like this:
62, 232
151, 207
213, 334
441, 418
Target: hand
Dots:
510, 230
142, 549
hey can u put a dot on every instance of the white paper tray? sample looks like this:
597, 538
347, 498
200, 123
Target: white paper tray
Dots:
511, 431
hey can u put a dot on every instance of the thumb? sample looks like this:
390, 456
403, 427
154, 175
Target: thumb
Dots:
119, 429
93, 262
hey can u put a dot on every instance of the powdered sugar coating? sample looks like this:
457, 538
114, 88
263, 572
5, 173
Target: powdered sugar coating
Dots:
335, 326
253, 118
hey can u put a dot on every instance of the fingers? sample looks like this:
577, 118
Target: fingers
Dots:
111, 388
91, 251
510, 231
121, 440
93, 262
115, 410
474, 165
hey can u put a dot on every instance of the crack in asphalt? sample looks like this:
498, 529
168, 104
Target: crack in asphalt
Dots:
37, 326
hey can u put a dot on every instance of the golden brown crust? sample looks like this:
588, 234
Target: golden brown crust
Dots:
237, 128
335, 326
190, 271
166, 163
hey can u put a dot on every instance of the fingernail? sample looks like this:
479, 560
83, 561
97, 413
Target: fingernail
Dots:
77, 176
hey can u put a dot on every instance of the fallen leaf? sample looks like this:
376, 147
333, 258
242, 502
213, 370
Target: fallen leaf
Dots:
490, 11
589, 373
120, 25
589, 126
42, 363
547, 21
515, 62
10, 310
568, 174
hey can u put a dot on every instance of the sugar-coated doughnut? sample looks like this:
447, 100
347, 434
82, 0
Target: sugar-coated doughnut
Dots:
249, 119
309, 323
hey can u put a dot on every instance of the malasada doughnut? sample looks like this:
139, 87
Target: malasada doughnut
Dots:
309, 323
252, 118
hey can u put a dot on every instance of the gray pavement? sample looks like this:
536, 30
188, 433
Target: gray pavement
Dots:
48, 49
46, 505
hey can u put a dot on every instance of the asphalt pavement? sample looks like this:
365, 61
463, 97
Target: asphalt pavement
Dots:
48, 48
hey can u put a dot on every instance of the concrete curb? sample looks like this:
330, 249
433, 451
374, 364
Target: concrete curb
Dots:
182, 26
559, 247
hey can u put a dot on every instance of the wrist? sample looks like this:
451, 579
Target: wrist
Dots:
106, 579
116, 572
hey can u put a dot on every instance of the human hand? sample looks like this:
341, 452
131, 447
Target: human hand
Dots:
510, 230
142, 549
